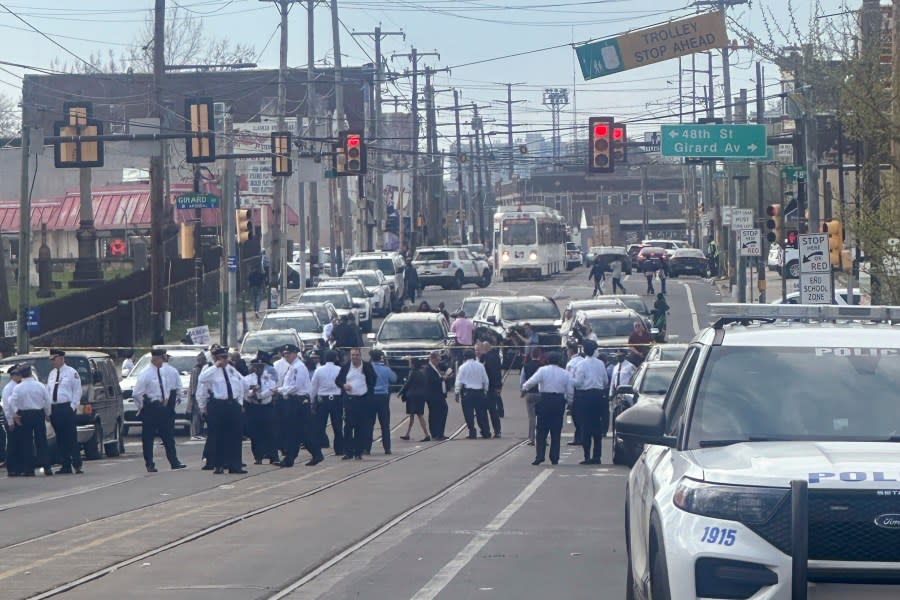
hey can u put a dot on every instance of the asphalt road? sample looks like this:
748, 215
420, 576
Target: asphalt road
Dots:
458, 519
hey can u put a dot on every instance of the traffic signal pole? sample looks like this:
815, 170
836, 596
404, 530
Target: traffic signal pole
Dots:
760, 192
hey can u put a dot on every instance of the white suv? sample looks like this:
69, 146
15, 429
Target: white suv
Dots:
774, 457
450, 267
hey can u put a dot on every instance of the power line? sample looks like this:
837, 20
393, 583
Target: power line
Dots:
47, 37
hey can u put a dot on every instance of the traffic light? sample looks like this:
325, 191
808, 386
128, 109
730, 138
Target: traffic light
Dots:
775, 224
244, 225
619, 137
282, 165
457, 216
186, 248
835, 241
199, 123
792, 238
78, 122
601, 152
354, 153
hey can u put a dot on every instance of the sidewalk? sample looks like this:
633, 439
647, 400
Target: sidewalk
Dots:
253, 323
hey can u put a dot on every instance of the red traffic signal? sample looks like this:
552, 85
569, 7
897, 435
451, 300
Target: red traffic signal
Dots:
618, 133
354, 154
600, 157
601, 130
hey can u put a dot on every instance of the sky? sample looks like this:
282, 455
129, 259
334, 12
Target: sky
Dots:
466, 33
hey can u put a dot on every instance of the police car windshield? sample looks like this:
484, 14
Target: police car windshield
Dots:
823, 394
267, 343
410, 330
522, 311
385, 265
335, 296
300, 323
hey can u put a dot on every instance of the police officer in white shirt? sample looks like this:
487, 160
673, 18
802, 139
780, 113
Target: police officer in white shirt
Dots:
328, 402
14, 466
573, 358
261, 383
556, 388
471, 386
29, 403
64, 385
294, 412
220, 394
592, 403
157, 386
621, 374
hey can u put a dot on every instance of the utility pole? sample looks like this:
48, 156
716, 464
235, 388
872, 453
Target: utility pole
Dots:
377, 193
509, 125
479, 204
346, 210
313, 132
24, 281
229, 242
760, 189
463, 205
415, 206
277, 258
871, 176
157, 199
471, 192
489, 186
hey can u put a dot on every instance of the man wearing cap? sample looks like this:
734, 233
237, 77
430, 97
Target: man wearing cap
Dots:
328, 399
591, 402
15, 466
156, 388
471, 385
29, 404
556, 388
357, 379
64, 385
295, 416
381, 397
221, 393
261, 383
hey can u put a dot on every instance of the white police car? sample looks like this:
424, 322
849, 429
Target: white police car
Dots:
774, 461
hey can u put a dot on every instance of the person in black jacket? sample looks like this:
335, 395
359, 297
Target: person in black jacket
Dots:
436, 396
346, 335
357, 380
598, 274
491, 359
413, 395
411, 280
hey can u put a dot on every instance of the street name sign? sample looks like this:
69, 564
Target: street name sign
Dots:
652, 45
714, 141
741, 218
751, 242
816, 286
194, 200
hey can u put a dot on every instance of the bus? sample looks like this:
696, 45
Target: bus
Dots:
529, 241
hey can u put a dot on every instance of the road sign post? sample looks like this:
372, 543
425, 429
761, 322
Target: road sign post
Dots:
714, 141
652, 45
816, 277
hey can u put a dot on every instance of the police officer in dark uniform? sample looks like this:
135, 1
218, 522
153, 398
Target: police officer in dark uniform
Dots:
295, 413
357, 380
221, 392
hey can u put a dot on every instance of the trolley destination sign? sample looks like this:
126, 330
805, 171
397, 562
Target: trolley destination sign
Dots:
652, 45
714, 141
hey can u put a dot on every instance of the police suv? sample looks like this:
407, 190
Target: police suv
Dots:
771, 470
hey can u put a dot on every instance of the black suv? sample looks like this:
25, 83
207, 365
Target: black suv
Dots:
412, 334
497, 319
101, 415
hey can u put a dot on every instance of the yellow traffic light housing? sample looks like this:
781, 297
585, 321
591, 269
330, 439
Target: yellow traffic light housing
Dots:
601, 138
186, 248
775, 224
201, 143
835, 241
244, 225
78, 122
282, 164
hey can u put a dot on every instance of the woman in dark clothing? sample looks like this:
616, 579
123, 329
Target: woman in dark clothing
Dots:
660, 310
413, 394
424, 307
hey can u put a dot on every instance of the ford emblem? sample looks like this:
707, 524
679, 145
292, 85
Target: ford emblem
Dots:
891, 521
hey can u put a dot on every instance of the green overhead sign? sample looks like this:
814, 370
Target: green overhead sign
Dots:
196, 200
714, 141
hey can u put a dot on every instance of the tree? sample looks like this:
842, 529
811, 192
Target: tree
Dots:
10, 117
186, 43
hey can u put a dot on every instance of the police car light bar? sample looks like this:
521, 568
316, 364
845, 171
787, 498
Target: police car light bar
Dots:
732, 312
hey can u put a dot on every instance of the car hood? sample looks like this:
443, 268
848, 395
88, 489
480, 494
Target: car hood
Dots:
851, 465
394, 345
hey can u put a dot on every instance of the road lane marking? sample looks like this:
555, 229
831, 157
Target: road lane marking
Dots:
694, 320
31, 500
443, 577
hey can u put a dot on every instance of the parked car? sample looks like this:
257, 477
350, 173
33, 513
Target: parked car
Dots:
469, 306
100, 417
612, 326
359, 295
377, 286
573, 307
391, 265
773, 262
450, 267
182, 358
338, 297
302, 320
651, 257
412, 334
637, 304
649, 384
573, 256
325, 311
688, 261
608, 255
670, 246
791, 268
670, 352
497, 319
268, 340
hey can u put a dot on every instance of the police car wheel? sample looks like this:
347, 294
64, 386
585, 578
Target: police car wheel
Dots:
659, 576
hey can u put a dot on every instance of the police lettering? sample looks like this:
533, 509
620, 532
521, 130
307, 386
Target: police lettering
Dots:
845, 352
852, 476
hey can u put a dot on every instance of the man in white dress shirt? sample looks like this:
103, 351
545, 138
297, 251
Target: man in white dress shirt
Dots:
556, 387
329, 403
357, 379
157, 386
471, 387
592, 402
294, 412
29, 403
14, 465
573, 358
261, 383
220, 394
621, 374
64, 385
